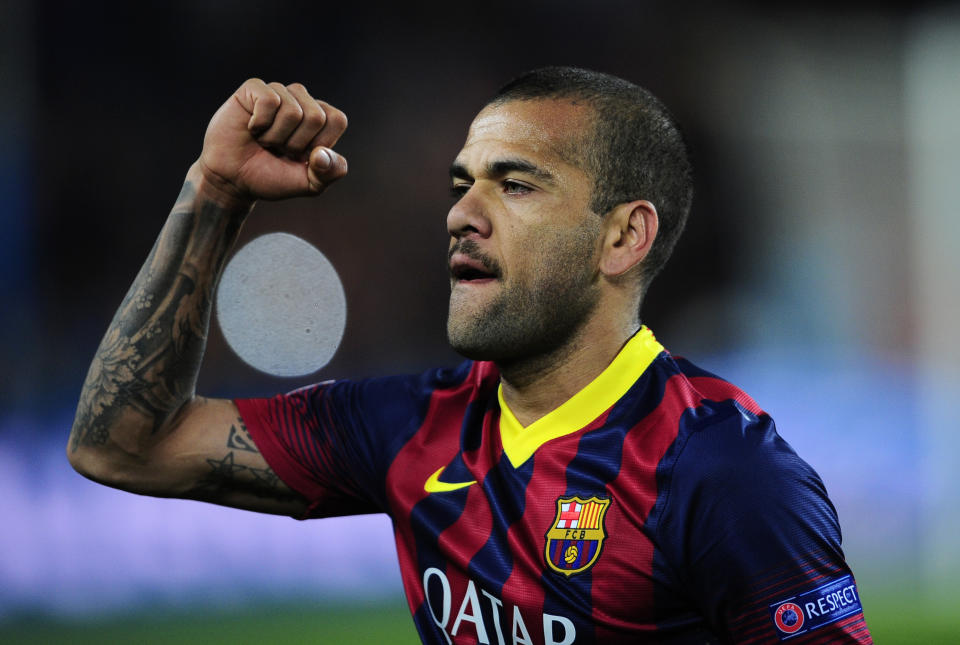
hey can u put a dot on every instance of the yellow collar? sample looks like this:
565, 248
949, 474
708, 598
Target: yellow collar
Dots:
594, 399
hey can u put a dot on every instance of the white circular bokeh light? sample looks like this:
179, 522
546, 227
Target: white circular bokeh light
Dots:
281, 306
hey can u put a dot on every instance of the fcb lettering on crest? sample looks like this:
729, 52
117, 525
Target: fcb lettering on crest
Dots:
575, 538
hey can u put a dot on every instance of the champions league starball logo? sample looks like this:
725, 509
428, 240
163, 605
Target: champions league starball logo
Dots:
788, 618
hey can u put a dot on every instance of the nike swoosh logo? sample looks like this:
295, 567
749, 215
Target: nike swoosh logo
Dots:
434, 485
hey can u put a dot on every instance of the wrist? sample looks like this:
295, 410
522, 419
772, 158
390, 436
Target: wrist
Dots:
210, 187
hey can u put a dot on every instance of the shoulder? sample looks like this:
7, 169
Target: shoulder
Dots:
737, 508
711, 387
393, 398
402, 386
728, 456
718, 417
348, 402
736, 455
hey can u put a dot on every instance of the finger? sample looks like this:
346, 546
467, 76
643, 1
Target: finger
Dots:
260, 101
314, 118
324, 167
332, 129
285, 121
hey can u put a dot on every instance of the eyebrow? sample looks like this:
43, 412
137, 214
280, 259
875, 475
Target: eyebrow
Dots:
502, 167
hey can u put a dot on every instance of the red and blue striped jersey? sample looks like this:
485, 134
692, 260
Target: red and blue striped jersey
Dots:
658, 504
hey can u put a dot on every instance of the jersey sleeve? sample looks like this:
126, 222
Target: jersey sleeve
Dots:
333, 442
751, 537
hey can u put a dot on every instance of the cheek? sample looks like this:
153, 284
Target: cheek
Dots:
515, 244
548, 250
540, 265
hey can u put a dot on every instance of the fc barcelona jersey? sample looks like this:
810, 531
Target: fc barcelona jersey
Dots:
658, 504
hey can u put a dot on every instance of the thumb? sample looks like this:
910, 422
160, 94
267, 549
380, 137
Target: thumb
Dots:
324, 167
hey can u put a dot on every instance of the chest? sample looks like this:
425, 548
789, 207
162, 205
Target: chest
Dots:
554, 545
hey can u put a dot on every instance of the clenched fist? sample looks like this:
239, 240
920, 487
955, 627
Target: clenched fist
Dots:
272, 141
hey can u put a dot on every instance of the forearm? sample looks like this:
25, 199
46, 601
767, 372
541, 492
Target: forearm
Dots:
145, 369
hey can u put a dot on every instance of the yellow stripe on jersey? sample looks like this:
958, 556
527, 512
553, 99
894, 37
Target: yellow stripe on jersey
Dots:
594, 399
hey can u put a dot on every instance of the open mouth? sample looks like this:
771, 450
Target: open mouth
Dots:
470, 274
470, 270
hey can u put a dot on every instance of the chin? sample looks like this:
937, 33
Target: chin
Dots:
476, 342
488, 342
468, 345
472, 353
468, 325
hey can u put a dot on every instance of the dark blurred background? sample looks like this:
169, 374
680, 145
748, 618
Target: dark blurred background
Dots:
818, 270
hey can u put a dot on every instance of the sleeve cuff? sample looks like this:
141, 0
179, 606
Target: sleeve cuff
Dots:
260, 420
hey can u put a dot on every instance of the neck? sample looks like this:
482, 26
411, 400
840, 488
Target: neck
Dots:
535, 386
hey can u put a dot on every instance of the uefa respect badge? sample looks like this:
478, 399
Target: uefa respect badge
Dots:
809, 610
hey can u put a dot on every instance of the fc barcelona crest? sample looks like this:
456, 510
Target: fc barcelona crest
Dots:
576, 536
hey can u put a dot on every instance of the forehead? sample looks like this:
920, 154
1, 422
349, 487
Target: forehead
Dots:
545, 128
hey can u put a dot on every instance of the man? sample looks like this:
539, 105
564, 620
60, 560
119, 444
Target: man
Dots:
573, 482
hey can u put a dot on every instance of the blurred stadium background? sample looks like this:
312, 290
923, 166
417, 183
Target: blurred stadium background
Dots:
819, 272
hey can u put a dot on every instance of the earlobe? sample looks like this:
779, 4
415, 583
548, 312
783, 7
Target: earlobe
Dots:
631, 229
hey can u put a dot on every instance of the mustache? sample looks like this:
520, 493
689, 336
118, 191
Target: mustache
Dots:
472, 250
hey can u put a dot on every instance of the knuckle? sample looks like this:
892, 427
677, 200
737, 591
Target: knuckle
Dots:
314, 117
288, 113
297, 87
291, 115
271, 99
336, 119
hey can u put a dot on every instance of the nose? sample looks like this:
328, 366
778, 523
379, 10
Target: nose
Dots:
468, 216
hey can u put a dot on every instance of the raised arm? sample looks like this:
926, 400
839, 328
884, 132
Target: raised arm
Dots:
139, 424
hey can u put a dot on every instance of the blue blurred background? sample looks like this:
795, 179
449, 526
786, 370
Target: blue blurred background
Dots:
819, 270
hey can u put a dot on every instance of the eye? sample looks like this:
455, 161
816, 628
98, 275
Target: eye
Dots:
512, 187
459, 190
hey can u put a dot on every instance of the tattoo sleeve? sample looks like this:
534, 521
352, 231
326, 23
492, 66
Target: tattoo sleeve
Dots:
147, 363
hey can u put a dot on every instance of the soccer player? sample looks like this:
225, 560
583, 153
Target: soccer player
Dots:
572, 482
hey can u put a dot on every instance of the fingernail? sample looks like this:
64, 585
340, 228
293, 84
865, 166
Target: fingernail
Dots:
323, 159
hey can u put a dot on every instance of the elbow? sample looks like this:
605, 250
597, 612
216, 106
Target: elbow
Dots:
81, 459
78, 452
103, 461
84, 449
93, 465
128, 453
114, 470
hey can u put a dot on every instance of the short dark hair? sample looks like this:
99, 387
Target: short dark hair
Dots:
636, 151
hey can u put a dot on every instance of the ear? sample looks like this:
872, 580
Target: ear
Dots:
631, 228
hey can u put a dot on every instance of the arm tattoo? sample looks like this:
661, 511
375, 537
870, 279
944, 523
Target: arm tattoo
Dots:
241, 439
148, 360
227, 475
